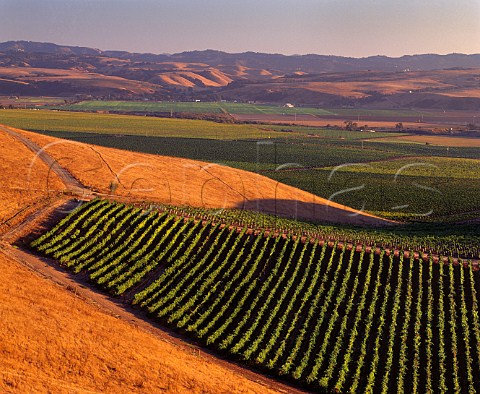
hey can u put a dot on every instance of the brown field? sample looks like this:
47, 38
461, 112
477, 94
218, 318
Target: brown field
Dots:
24, 183
29, 101
423, 90
53, 341
436, 140
317, 121
179, 181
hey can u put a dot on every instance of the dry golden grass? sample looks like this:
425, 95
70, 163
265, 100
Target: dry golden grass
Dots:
85, 79
361, 89
179, 181
186, 75
175, 79
13, 81
52, 341
219, 77
189, 76
24, 182
183, 66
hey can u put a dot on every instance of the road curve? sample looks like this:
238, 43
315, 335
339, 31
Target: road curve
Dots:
72, 184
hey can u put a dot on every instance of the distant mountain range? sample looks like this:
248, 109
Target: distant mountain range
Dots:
307, 63
35, 68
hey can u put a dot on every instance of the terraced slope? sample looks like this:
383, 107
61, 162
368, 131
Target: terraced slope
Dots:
319, 313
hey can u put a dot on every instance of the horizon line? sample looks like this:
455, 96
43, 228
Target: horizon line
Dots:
238, 53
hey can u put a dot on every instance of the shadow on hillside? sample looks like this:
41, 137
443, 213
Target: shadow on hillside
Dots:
313, 211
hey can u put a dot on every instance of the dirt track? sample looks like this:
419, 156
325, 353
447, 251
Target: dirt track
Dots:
72, 184
79, 286
435, 140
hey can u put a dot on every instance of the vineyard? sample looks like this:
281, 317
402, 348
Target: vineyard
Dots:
325, 314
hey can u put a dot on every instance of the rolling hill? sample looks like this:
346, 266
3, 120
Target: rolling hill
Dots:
177, 181
424, 81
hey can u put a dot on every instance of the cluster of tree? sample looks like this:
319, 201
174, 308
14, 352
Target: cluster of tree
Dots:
353, 126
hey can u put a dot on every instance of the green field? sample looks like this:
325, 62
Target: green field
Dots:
409, 197
144, 106
402, 188
64, 121
320, 314
59, 121
190, 107
332, 133
431, 167
31, 101
229, 107
253, 109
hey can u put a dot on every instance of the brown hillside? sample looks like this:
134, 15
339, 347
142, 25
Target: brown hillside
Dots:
77, 79
175, 79
188, 182
52, 341
436, 81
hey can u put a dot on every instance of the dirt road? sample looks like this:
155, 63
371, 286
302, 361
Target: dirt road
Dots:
71, 183
79, 286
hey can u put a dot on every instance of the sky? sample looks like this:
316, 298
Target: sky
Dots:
356, 28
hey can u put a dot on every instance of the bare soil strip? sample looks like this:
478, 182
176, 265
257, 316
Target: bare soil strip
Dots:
79, 286
435, 140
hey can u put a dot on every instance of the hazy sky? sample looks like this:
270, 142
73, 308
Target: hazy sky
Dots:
342, 27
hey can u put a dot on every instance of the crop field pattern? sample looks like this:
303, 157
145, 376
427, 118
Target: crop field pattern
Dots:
322, 314
228, 107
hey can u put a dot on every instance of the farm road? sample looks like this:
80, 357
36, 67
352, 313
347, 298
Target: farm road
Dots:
70, 182
82, 288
